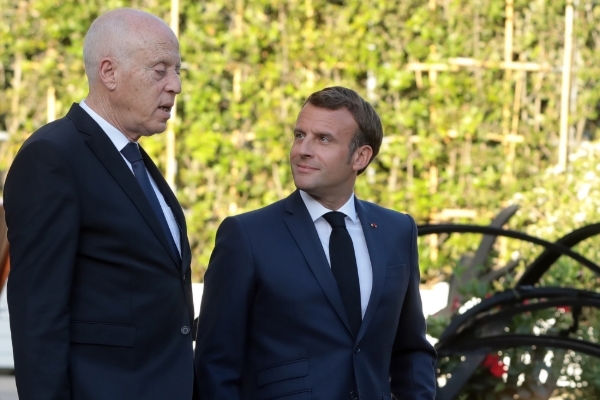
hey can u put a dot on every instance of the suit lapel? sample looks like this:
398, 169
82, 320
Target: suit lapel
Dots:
112, 160
303, 230
375, 244
172, 202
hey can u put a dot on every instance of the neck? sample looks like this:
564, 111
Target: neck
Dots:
333, 203
103, 107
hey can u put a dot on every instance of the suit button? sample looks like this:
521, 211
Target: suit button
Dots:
357, 349
185, 330
353, 396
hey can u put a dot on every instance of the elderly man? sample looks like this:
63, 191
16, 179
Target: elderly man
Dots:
316, 297
99, 291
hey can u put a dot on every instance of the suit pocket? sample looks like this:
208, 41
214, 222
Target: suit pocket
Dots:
120, 335
293, 369
396, 270
300, 395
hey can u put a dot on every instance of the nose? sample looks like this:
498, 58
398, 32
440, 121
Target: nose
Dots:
304, 147
174, 83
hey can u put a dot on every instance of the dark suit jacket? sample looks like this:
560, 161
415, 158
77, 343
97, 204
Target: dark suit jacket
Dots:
97, 302
272, 322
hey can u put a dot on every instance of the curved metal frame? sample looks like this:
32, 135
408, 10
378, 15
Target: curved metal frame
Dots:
543, 262
460, 336
513, 340
510, 296
555, 248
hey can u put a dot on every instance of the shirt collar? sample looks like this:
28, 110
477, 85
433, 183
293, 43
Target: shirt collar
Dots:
316, 209
115, 135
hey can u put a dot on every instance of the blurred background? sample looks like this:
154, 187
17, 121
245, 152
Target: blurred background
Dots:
485, 104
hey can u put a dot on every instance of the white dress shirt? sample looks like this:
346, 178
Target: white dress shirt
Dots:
120, 141
363, 261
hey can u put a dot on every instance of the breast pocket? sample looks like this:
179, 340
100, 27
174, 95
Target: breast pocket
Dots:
396, 271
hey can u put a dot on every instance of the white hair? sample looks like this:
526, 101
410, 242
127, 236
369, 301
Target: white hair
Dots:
113, 34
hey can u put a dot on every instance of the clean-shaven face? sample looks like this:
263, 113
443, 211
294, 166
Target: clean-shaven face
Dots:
148, 82
319, 156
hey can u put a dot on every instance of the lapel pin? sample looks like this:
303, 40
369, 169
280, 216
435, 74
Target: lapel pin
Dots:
373, 225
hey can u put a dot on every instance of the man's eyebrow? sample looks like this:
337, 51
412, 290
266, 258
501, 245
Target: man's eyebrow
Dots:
324, 133
166, 62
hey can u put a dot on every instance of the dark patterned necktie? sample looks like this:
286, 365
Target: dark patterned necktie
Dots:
344, 268
134, 156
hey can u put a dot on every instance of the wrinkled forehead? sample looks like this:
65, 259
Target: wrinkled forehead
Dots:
154, 46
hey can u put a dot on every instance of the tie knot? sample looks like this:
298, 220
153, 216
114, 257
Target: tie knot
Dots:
132, 152
335, 219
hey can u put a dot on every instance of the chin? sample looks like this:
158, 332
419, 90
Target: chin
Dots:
304, 186
159, 129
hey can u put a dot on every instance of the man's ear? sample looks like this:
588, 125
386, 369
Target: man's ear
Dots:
107, 73
362, 157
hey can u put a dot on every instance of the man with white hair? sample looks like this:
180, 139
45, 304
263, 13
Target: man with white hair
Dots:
99, 291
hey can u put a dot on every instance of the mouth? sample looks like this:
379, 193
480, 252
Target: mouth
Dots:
166, 109
305, 168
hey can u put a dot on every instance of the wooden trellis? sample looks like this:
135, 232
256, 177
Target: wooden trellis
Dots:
510, 136
515, 71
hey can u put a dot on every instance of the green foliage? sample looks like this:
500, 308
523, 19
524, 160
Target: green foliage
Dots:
542, 213
248, 65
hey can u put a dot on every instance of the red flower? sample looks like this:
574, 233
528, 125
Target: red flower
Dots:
455, 303
493, 363
564, 309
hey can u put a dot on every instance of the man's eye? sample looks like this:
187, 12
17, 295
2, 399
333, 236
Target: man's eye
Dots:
299, 135
160, 71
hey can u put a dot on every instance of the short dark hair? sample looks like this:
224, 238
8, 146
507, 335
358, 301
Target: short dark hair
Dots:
370, 130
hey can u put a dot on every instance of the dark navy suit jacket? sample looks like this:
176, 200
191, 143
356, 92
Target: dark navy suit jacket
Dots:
97, 301
272, 322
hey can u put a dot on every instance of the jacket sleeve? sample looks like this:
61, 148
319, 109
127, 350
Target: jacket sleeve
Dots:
222, 326
42, 215
412, 368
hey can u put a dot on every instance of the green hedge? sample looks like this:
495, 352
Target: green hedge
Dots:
248, 65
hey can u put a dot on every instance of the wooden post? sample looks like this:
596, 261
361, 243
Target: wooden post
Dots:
434, 244
50, 104
508, 77
434, 247
508, 31
433, 179
514, 126
393, 176
310, 11
537, 120
432, 73
563, 144
285, 55
171, 162
239, 17
508, 54
238, 31
17, 81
